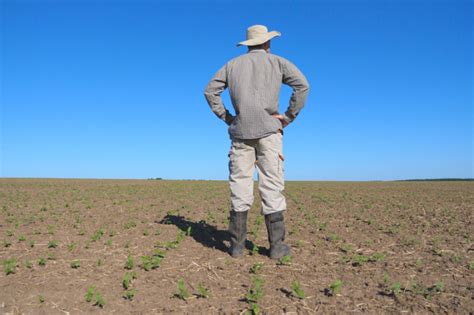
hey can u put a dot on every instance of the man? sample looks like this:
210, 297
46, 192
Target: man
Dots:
254, 81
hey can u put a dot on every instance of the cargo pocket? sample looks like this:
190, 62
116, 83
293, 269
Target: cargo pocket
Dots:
232, 155
281, 160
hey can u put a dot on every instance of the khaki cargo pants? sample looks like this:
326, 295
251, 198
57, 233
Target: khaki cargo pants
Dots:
267, 155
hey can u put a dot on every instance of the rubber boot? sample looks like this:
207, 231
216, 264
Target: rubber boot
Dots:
238, 232
276, 235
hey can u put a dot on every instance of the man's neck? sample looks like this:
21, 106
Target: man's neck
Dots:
257, 50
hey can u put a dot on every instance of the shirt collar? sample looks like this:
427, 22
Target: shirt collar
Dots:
257, 51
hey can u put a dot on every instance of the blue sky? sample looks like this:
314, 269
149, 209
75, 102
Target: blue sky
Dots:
114, 89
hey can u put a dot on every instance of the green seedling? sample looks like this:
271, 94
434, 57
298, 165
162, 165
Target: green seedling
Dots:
391, 290
41, 299
368, 243
90, 293
294, 230
203, 292
419, 263
393, 229
31, 243
181, 236
129, 264
183, 293
99, 262
427, 292
129, 225
42, 261
7, 243
129, 294
285, 261
322, 226
255, 293
345, 248
211, 217
297, 290
188, 231
438, 287
254, 309
21, 238
9, 266
99, 300
52, 244
75, 264
151, 262
78, 219
335, 287
97, 235
9, 233
299, 243
254, 250
395, 289
175, 243
333, 237
50, 230
71, 247
127, 279
346, 258
171, 244
28, 264
418, 289
159, 252
359, 260
256, 268
145, 232
471, 265
108, 243
376, 257
51, 256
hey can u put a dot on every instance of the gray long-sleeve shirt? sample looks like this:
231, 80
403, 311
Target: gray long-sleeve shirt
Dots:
254, 81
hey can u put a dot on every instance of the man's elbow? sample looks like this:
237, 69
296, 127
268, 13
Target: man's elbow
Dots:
208, 95
305, 87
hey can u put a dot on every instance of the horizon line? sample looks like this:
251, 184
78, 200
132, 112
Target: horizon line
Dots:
220, 180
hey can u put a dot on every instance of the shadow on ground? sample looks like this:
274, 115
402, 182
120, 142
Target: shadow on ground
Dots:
201, 231
206, 234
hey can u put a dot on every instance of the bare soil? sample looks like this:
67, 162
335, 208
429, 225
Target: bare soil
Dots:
397, 247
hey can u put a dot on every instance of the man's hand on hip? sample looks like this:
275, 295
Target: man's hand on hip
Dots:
284, 123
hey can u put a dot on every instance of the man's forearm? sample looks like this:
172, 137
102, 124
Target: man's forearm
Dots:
218, 108
213, 92
297, 101
293, 77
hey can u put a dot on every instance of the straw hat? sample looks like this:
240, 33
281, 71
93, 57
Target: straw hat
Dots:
257, 35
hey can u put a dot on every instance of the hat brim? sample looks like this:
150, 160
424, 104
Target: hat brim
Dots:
259, 40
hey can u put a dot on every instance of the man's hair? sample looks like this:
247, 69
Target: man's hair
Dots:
261, 46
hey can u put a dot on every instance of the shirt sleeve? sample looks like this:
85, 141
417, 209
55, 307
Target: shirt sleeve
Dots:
293, 77
213, 92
